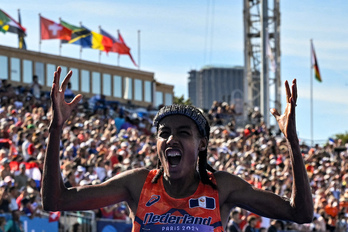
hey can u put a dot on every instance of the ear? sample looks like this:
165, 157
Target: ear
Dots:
203, 144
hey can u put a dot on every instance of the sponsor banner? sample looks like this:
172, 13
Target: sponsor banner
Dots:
109, 226
38, 224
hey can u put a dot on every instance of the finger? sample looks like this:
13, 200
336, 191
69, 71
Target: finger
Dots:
292, 107
275, 113
56, 76
53, 89
294, 90
75, 101
55, 84
293, 102
287, 90
66, 81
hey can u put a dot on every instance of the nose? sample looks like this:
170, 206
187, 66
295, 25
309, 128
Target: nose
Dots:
172, 139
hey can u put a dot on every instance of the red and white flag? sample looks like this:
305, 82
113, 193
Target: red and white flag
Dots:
54, 216
53, 30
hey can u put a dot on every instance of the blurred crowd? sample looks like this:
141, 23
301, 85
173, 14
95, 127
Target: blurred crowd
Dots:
102, 139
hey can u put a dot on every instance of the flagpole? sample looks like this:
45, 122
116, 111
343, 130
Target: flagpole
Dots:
80, 45
19, 37
139, 49
311, 82
100, 51
60, 47
118, 54
21, 41
60, 41
40, 33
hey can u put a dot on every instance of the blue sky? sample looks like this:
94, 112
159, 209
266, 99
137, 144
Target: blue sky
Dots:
177, 36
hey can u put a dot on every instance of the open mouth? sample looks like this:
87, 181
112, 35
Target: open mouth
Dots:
174, 158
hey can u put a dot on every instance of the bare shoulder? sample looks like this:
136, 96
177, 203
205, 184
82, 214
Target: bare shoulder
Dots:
223, 177
136, 172
230, 186
138, 175
133, 181
128, 183
132, 177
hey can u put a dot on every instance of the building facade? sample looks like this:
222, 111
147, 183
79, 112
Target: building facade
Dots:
216, 84
115, 83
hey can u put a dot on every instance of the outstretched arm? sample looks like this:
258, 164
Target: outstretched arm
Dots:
265, 203
301, 198
55, 196
52, 183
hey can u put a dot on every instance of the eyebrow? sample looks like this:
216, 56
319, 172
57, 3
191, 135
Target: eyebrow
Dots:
161, 127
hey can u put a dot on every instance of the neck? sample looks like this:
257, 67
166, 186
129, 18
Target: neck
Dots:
180, 188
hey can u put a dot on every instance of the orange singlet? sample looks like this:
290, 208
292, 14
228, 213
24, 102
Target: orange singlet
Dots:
157, 211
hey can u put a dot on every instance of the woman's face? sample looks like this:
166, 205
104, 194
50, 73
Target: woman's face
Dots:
178, 145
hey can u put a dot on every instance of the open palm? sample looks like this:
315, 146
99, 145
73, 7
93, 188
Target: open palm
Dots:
61, 109
286, 121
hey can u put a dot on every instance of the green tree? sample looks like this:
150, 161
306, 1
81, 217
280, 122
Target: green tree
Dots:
181, 100
344, 137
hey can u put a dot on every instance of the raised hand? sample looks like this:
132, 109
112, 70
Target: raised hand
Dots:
61, 109
286, 121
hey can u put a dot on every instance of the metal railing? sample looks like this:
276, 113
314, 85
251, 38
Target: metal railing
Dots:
78, 221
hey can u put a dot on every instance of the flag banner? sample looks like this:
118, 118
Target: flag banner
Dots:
53, 30
110, 39
331, 141
124, 49
100, 42
33, 171
8, 24
68, 25
54, 216
80, 36
103, 32
97, 40
119, 46
107, 43
315, 64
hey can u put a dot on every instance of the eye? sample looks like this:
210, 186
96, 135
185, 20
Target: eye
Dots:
184, 132
163, 134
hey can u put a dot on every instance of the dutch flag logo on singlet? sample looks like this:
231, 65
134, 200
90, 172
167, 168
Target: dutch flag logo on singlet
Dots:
202, 202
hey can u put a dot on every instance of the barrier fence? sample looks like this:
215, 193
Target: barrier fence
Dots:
77, 221
86, 221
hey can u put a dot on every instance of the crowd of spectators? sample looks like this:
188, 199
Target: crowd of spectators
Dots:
101, 140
